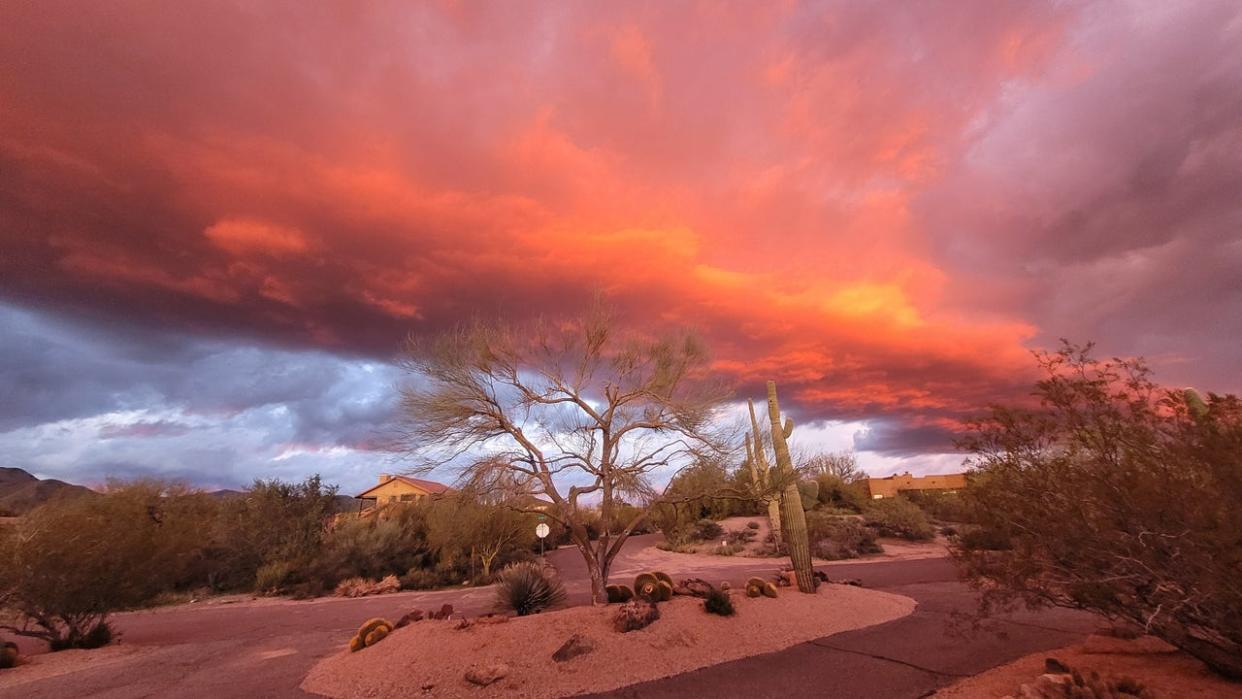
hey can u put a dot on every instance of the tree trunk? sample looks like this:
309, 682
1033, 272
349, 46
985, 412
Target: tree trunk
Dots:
774, 520
792, 515
1225, 661
599, 577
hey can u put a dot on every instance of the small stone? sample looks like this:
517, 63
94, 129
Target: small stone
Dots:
484, 675
572, 648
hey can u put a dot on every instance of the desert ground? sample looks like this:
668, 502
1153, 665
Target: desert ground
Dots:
266, 647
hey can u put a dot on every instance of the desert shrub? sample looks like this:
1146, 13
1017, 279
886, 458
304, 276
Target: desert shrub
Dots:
99, 635
420, 579
728, 549
363, 587
9, 655
392, 543
718, 602
985, 539
707, 530
945, 507
900, 518
838, 493
272, 522
68, 564
527, 588
479, 533
1119, 497
741, 536
752, 525
274, 577
835, 538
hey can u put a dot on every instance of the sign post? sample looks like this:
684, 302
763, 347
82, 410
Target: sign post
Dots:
541, 531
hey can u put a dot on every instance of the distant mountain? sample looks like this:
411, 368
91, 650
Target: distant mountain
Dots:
21, 492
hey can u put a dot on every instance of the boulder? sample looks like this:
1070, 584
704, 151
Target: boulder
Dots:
695, 587
484, 674
410, 618
572, 648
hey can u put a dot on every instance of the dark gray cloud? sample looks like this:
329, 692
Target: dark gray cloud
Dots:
85, 404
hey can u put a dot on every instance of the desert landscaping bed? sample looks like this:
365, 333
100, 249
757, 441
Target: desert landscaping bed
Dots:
432, 658
1165, 671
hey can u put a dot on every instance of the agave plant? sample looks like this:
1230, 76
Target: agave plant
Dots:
526, 588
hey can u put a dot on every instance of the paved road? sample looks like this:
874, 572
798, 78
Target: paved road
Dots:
265, 648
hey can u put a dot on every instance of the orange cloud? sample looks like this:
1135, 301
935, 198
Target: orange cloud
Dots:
241, 236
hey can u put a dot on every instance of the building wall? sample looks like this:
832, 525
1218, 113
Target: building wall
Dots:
893, 485
394, 491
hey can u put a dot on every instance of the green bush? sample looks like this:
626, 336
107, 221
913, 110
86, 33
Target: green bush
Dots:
1119, 497
707, 530
900, 518
68, 564
837, 493
836, 538
718, 602
945, 507
421, 579
526, 588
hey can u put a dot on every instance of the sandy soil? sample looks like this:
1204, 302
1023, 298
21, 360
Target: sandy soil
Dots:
46, 665
652, 558
1165, 670
435, 656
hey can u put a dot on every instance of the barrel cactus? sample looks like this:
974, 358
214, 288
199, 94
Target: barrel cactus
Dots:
768, 590
646, 586
356, 644
663, 577
618, 593
379, 634
753, 590
664, 591
371, 625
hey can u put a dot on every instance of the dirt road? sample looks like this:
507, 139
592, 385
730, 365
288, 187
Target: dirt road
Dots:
264, 648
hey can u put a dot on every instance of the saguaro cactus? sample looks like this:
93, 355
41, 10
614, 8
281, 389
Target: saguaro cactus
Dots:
760, 474
792, 514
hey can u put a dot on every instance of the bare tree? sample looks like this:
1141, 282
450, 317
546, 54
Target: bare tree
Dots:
842, 464
577, 412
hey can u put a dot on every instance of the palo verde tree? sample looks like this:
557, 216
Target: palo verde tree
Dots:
578, 412
1115, 496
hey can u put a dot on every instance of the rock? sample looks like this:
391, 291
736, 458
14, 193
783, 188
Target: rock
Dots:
635, 615
695, 587
485, 674
445, 612
572, 648
410, 618
1052, 666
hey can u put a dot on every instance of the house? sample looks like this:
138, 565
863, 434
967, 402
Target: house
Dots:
391, 489
891, 486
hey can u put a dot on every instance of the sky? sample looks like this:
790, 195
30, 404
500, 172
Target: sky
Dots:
218, 220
